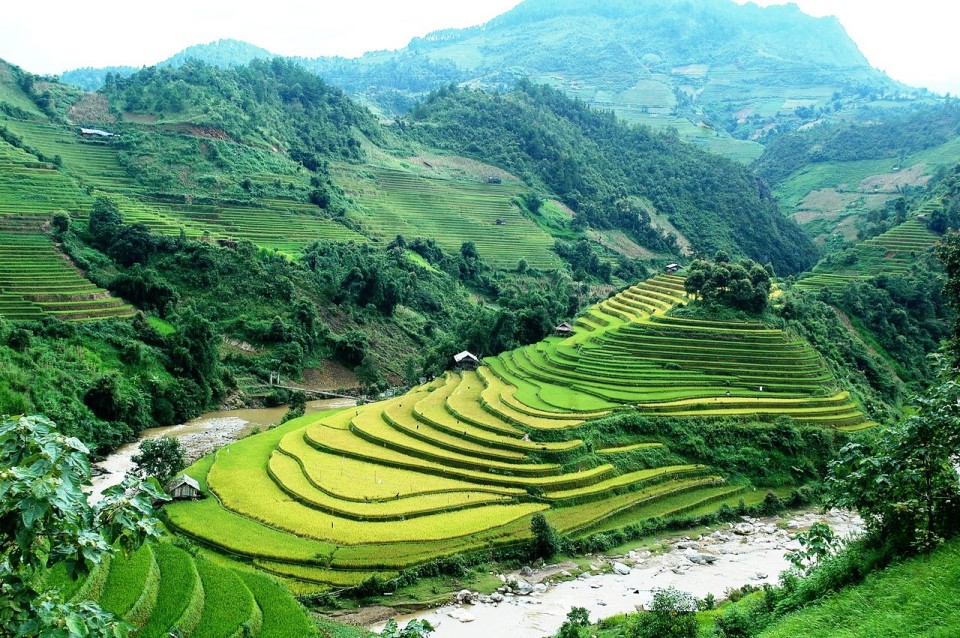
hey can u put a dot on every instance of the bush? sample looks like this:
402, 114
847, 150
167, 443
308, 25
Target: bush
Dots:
673, 614
546, 542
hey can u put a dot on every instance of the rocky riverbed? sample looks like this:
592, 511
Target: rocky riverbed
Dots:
534, 602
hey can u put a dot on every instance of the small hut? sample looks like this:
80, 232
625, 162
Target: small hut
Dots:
563, 330
95, 132
184, 487
466, 361
493, 179
673, 267
500, 221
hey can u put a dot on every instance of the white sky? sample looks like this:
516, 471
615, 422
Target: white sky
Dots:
914, 41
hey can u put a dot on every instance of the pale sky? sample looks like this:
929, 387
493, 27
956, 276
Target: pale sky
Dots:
914, 41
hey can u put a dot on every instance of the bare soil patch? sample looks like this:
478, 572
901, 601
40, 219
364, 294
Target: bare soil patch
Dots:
617, 241
456, 167
331, 377
889, 182
92, 108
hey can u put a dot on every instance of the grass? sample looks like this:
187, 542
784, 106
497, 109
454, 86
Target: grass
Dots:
918, 597
282, 616
891, 253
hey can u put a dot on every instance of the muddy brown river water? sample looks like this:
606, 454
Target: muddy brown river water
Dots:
200, 436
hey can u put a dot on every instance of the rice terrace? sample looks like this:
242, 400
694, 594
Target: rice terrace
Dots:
461, 463
599, 319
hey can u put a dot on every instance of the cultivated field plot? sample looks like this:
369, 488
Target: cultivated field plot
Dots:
31, 186
452, 212
892, 253
37, 281
628, 351
163, 590
462, 463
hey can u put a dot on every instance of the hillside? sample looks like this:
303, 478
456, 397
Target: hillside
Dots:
613, 175
721, 73
169, 587
222, 53
462, 462
718, 72
917, 597
836, 179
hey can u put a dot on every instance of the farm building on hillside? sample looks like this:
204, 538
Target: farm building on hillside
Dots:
500, 221
493, 179
673, 267
466, 361
184, 487
95, 132
563, 330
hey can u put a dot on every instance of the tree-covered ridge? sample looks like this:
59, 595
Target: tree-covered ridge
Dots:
612, 174
276, 103
705, 31
878, 134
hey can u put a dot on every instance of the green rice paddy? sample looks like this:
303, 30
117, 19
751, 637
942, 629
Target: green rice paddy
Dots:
462, 463
164, 590
892, 253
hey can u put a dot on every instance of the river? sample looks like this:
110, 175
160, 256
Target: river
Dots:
200, 436
755, 557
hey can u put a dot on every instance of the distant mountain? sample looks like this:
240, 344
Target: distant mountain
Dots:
713, 69
222, 53
91, 79
724, 75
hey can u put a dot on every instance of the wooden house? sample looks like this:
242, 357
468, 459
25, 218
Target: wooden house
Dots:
493, 179
563, 330
466, 361
184, 487
95, 132
672, 267
500, 221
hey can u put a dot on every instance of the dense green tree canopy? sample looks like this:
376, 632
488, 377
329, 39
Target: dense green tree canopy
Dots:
601, 168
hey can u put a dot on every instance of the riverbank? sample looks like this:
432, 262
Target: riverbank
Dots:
199, 437
534, 603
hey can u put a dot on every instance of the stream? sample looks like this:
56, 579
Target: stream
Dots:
750, 552
200, 436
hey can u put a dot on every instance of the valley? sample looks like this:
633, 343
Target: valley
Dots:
587, 278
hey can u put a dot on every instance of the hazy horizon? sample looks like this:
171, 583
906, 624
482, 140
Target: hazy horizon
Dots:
910, 42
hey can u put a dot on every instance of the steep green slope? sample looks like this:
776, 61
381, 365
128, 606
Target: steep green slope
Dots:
918, 597
836, 179
164, 590
462, 463
612, 175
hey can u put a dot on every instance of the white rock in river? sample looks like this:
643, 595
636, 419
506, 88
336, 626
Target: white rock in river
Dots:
461, 614
701, 559
621, 569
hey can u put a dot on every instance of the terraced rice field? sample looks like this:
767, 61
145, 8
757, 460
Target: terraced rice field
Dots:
163, 590
463, 462
36, 280
892, 253
452, 212
627, 350
283, 224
